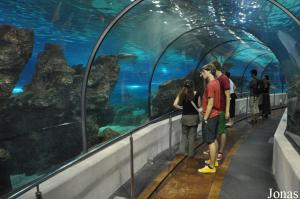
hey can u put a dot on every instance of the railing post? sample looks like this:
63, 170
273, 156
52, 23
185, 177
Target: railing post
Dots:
132, 190
247, 102
170, 135
285, 99
274, 99
38, 194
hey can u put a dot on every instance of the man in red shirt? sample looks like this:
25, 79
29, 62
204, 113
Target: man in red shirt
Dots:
211, 110
225, 106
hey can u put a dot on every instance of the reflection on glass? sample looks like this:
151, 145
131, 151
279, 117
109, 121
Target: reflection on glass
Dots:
293, 122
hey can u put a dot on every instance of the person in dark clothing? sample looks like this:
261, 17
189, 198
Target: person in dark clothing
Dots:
260, 97
189, 101
266, 106
254, 94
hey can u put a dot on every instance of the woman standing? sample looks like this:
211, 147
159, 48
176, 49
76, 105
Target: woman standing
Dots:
189, 101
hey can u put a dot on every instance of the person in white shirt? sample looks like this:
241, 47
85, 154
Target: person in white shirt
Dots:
233, 96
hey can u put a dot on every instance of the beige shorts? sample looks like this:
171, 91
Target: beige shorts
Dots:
254, 105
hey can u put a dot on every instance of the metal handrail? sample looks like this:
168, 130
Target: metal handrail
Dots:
242, 94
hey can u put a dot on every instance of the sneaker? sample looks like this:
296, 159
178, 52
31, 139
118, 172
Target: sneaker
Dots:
208, 162
206, 152
220, 156
229, 124
207, 169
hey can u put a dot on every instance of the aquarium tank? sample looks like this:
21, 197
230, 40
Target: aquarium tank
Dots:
46, 50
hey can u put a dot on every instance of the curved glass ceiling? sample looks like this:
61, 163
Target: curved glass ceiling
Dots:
146, 30
292, 5
156, 23
197, 31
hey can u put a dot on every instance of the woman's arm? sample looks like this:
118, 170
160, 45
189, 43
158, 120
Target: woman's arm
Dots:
199, 104
176, 103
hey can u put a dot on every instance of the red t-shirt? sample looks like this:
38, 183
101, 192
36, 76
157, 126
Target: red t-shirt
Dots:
212, 90
224, 85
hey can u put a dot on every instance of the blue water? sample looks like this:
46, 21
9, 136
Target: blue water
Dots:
73, 25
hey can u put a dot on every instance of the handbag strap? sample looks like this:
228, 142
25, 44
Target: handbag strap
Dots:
194, 105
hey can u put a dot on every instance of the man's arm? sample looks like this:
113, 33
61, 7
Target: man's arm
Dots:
227, 94
209, 107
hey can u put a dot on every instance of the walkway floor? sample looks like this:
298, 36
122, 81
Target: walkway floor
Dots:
244, 173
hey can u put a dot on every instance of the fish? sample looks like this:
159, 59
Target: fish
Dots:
56, 15
126, 56
69, 21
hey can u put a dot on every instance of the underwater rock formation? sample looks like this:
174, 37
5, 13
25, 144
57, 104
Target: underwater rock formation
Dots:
163, 100
45, 120
102, 79
107, 134
15, 50
52, 71
133, 114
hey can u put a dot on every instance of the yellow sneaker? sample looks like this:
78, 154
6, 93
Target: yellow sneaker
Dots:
207, 169
208, 162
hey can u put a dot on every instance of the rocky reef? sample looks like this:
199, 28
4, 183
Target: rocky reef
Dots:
44, 120
15, 51
162, 102
101, 82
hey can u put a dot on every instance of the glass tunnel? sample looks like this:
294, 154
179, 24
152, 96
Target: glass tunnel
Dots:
77, 75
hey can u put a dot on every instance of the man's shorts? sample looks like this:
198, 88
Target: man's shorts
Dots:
210, 130
254, 105
221, 124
